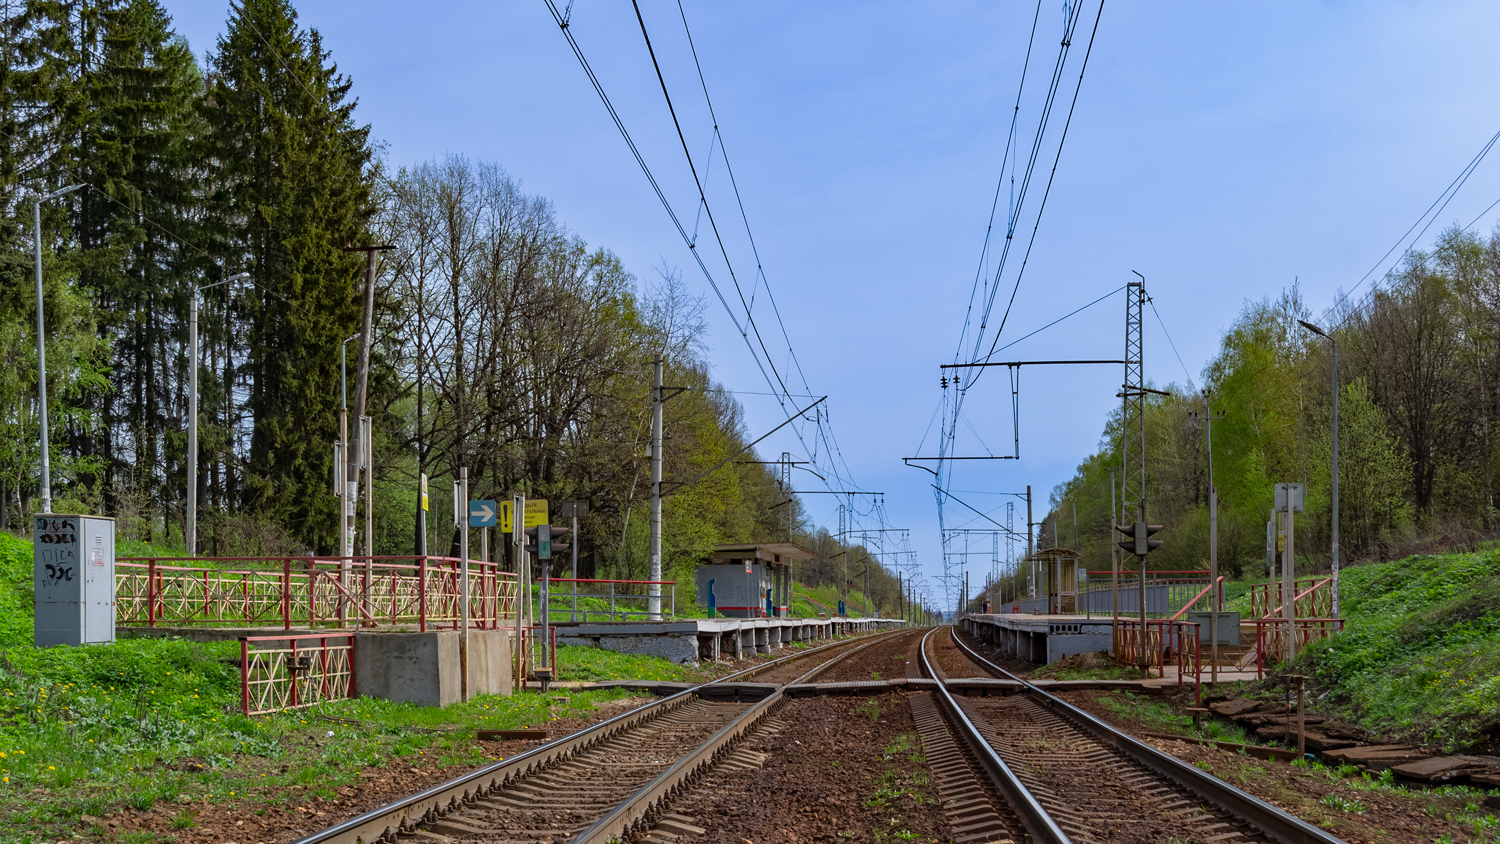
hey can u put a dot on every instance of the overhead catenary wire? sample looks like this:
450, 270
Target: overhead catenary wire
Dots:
763, 359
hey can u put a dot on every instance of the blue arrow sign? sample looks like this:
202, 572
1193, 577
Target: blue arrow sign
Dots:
482, 513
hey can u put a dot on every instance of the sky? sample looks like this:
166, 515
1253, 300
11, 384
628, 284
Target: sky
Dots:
1222, 150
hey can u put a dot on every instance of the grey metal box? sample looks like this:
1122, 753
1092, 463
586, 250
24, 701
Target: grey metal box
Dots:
74, 579
1229, 627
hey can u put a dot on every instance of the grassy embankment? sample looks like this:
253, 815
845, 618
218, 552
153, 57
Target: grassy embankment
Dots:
90, 730
1419, 658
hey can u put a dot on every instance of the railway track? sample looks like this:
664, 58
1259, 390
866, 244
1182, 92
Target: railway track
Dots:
606, 783
1069, 777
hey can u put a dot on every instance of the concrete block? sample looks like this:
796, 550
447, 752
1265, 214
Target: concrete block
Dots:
424, 668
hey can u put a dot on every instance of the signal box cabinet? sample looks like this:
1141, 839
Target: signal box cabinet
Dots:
74, 579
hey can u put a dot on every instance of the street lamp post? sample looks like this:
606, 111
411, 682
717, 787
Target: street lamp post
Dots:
41, 344
191, 534
1335, 345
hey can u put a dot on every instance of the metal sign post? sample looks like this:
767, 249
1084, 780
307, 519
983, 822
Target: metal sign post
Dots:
544, 554
461, 495
1289, 499
522, 599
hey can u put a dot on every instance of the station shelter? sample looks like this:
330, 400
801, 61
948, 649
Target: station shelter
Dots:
1058, 573
753, 580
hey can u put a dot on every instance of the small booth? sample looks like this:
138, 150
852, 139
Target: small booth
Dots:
1058, 571
753, 580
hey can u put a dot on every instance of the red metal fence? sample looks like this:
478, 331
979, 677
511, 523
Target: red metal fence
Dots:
1162, 642
1271, 638
611, 599
1313, 599
424, 592
293, 672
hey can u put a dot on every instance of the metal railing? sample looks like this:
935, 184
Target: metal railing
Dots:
1271, 638
611, 599
423, 592
1160, 643
1313, 598
1167, 592
294, 672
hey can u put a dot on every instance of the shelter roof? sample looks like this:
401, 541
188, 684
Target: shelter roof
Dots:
1052, 553
773, 553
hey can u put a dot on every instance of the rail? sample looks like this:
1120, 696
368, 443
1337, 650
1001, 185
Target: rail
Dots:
616, 603
407, 813
1037, 820
424, 592
305, 670
1267, 818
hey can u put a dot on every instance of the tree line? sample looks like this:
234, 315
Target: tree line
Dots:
1418, 374
503, 342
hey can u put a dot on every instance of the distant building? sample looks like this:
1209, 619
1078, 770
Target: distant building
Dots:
750, 581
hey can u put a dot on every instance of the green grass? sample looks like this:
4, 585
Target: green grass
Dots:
1108, 672
579, 662
1420, 656
1151, 713
141, 722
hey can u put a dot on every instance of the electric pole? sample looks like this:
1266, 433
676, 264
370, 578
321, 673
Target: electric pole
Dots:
653, 591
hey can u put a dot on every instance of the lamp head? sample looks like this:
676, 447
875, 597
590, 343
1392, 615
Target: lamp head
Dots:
1313, 328
65, 191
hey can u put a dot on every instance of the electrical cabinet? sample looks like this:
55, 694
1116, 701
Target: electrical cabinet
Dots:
74, 579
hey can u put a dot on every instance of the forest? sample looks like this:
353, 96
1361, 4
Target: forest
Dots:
503, 342
1418, 374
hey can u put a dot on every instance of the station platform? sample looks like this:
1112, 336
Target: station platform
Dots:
692, 639
1043, 639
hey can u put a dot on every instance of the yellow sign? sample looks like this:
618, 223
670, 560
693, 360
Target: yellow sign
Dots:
424, 492
536, 514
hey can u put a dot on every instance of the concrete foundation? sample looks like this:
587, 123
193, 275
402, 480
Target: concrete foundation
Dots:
1040, 638
689, 640
424, 668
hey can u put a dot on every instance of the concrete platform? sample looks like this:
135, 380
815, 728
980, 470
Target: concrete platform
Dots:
1043, 639
694, 639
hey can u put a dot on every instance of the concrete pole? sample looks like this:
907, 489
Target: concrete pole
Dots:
1213, 545
41, 360
1289, 580
1030, 547
1114, 565
653, 591
191, 534
367, 442
1335, 477
41, 345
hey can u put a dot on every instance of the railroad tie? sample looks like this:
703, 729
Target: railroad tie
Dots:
971, 810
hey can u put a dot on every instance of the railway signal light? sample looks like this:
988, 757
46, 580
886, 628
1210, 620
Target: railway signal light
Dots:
1138, 539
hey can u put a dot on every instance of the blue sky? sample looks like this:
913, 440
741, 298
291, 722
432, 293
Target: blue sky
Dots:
1221, 149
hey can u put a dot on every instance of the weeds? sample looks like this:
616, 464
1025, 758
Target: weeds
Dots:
1342, 803
870, 709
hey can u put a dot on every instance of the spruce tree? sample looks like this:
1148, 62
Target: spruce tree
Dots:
290, 189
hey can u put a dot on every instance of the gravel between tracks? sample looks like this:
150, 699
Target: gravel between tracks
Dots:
880, 661
950, 659
826, 769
